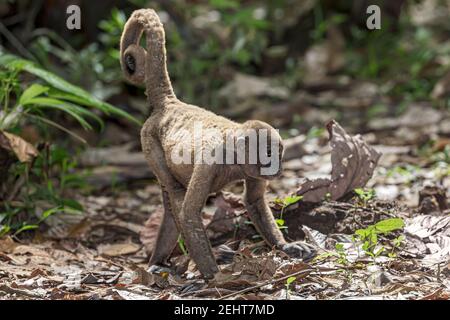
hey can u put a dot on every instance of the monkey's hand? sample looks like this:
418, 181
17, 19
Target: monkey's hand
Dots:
300, 250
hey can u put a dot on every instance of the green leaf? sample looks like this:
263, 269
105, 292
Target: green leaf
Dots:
73, 110
290, 280
4, 230
49, 212
373, 238
72, 204
389, 225
32, 92
362, 233
16, 63
379, 251
365, 245
392, 254
25, 228
398, 241
365, 195
56, 125
287, 201
280, 222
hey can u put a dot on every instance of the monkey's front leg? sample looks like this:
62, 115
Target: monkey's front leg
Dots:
191, 223
262, 218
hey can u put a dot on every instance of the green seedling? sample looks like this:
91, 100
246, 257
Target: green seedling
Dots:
369, 236
365, 195
285, 202
288, 285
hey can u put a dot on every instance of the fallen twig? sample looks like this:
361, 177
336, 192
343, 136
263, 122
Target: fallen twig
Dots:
21, 292
273, 281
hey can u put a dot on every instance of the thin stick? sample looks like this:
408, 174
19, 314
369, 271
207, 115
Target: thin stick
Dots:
273, 281
20, 292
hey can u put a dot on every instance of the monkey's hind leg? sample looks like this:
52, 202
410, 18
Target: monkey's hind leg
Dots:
173, 196
167, 235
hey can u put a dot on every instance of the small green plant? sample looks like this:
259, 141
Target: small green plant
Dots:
396, 244
315, 132
365, 195
39, 182
285, 202
369, 236
44, 188
405, 171
182, 245
341, 254
57, 94
289, 281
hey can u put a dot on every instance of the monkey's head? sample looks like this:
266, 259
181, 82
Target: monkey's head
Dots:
263, 150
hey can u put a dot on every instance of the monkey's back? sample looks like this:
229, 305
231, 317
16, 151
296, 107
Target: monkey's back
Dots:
174, 128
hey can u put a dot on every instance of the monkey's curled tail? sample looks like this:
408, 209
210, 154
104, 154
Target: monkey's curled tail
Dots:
145, 66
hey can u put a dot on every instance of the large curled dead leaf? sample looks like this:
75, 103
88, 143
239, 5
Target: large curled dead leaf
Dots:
353, 162
23, 150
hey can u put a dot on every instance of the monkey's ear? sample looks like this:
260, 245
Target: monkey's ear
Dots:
133, 64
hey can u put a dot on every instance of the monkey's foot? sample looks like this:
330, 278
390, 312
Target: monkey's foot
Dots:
159, 270
300, 250
193, 286
225, 254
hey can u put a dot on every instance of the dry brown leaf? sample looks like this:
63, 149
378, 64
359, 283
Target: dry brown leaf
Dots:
150, 231
7, 245
229, 206
23, 150
257, 267
429, 236
291, 268
442, 87
118, 249
353, 162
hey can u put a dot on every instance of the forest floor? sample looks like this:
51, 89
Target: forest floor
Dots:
103, 253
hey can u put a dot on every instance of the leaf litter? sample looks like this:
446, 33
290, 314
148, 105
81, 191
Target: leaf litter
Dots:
103, 253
